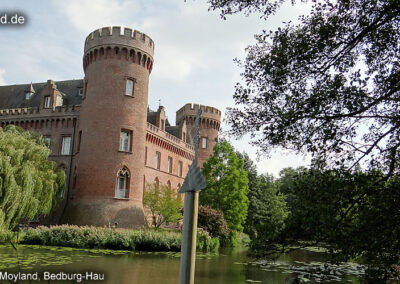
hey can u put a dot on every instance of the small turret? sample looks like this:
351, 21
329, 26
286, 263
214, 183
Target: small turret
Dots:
210, 121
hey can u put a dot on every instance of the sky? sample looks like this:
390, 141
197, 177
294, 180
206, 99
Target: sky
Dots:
193, 60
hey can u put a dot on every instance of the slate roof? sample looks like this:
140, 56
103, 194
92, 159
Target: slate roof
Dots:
151, 117
13, 96
173, 130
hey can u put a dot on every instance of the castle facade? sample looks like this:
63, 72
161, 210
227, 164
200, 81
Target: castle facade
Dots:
102, 133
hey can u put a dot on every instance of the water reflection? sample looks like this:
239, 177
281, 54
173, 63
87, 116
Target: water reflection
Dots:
231, 267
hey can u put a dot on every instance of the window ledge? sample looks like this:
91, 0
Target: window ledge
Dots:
122, 198
125, 95
126, 152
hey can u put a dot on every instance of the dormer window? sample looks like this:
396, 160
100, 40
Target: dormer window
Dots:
80, 92
47, 102
29, 92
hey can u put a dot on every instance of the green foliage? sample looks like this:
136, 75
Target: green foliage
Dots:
5, 236
118, 239
267, 208
30, 185
212, 221
163, 204
267, 211
205, 242
355, 214
227, 185
318, 85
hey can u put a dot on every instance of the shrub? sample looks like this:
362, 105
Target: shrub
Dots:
108, 238
5, 236
213, 222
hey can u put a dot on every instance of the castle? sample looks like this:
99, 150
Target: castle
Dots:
102, 133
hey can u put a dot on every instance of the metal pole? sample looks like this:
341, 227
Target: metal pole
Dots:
194, 236
194, 182
186, 276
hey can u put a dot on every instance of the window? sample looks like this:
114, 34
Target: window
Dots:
122, 190
47, 140
125, 140
162, 124
47, 102
204, 142
169, 164
158, 160
80, 92
27, 96
129, 87
184, 136
145, 155
66, 145
179, 168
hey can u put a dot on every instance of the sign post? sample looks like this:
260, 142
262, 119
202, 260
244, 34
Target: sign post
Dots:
194, 182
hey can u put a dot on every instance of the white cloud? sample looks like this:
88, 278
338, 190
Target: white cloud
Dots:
193, 54
88, 15
2, 80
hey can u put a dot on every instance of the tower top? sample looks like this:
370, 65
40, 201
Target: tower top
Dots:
112, 36
189, 109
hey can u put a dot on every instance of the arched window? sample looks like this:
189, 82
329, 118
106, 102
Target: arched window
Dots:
123, 180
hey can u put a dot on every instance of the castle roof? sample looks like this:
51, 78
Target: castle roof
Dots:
30, 89
151, 117
13, 96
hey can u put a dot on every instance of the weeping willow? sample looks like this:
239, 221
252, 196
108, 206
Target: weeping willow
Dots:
30, 185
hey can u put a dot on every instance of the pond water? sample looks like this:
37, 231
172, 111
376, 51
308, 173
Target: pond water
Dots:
228, 266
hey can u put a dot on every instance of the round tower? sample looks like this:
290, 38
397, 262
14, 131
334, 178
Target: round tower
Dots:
210, 121
112, 129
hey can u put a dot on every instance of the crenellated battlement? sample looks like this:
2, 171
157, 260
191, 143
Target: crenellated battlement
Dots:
28, 112
189, 110
110, 43
113, 36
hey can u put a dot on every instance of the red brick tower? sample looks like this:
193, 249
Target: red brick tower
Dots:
209, 126
112, 129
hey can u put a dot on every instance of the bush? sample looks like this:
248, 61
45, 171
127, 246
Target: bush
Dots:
108, 238
5, 236
213, 222
205, 242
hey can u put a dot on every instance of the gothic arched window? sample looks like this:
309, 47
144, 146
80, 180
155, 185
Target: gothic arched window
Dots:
123, 181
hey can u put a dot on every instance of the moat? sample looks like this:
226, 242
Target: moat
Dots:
229, 266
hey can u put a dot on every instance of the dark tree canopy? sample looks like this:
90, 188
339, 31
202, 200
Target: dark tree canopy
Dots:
323, 211
329, 85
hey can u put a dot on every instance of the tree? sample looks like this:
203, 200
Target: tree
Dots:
329, 85
163, 204
267, 212
322, 212
267, 206
227, 185
30, 185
